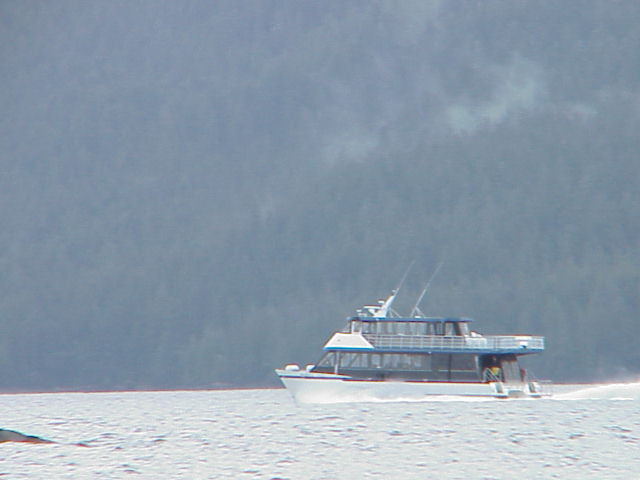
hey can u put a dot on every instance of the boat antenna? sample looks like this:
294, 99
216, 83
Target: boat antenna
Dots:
384, 306
424, 291
404, 277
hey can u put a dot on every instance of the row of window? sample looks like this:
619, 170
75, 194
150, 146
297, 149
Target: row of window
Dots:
411, 328
438, 362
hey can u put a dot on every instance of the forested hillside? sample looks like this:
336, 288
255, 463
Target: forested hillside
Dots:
194, 193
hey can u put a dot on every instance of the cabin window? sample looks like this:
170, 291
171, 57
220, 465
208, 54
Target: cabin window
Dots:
399, 361
354, 360
437, 366
391, 361
404, 328
464, 367
327, 360
424, 362
464, 328
356, 326
449, 329
418, 362
376, 360
440, 365
420, 328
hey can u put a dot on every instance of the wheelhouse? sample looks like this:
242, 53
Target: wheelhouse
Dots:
408, 326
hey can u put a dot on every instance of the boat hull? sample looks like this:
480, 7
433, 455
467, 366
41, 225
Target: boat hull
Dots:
320, 388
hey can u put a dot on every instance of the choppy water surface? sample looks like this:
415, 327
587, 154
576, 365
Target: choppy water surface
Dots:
583, 433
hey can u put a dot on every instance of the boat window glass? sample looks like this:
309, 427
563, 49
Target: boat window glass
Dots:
464, 328
425, 362
365, 360
376, 360
353, 360
387, 361
449, 329
345, 359
367, 327
391, 361
405, 361
464, 362
437, 326
440, 364
327, 360
356, 326
413, 361
464, 367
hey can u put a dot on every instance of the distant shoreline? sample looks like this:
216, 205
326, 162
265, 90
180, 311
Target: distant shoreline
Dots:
134, 390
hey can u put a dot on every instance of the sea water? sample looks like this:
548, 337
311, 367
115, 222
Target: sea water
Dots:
587, 432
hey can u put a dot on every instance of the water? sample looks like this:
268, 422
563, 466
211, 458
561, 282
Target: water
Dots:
582, 433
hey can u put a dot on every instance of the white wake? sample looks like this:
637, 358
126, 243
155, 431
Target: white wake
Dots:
612, 391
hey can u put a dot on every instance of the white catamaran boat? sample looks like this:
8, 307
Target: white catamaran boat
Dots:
380, 355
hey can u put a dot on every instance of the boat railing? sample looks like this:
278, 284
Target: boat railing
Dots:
543, 387
493, 343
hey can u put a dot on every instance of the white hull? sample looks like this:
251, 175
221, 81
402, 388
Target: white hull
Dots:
327, 388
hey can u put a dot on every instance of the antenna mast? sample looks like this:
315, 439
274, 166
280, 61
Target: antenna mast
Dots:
384, 306
415, 308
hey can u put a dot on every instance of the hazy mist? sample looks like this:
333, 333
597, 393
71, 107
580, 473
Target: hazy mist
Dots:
194, 193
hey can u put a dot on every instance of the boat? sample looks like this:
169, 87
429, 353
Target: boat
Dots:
380, 355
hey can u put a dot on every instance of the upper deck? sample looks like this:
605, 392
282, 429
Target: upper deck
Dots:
501, 344
378, 328
427, 335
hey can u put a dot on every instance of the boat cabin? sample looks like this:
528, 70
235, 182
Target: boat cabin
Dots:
423, 349
409, 326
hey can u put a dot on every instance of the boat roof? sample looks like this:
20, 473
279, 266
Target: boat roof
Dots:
410, 319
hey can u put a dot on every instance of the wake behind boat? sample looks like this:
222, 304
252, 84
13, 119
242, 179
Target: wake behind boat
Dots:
381, 355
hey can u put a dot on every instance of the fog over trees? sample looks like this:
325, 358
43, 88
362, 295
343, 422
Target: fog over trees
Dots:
193, 193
